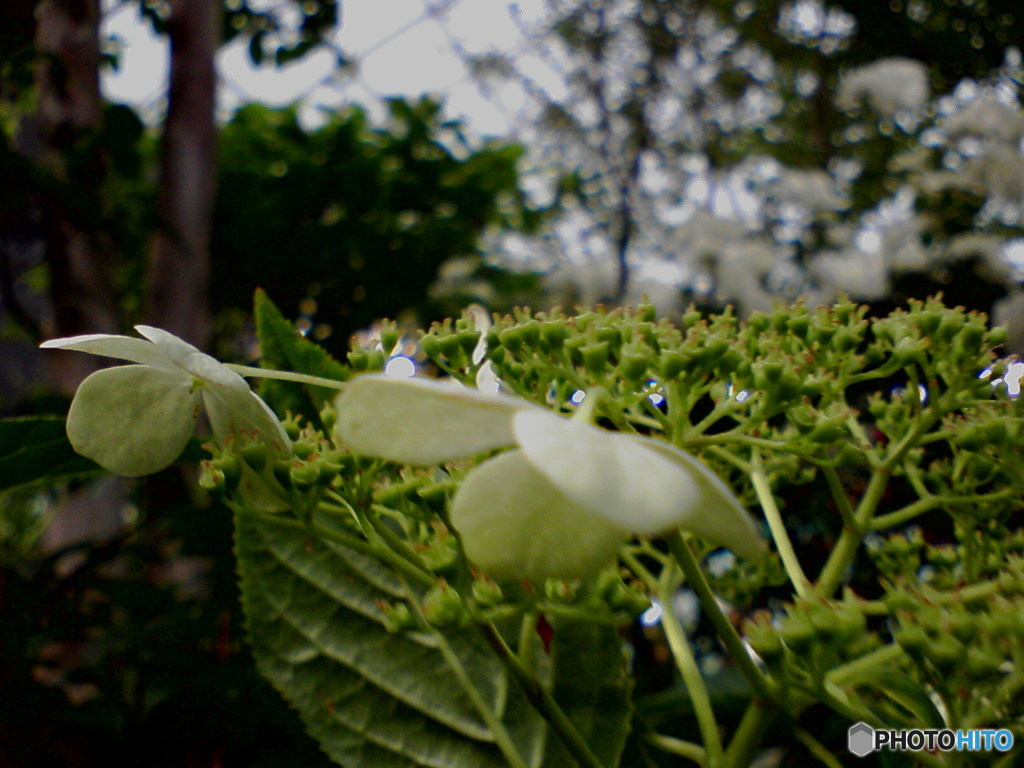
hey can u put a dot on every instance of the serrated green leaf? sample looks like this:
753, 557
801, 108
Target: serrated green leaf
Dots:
283, 348
35, 450
592, 684
371, 698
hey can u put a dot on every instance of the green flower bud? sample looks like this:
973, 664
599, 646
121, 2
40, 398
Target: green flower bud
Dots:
254, 454
329, 417
983, 662
672, 363
628, 598
560, 590
554, 333
231, 469
997, 337
304, 474
764, 639
212, 479
595, 357
912, 639
443, 606
486, 592
452, 349
291, 426
397, 617
441, 552
797, 633
633, 364
944, 652
389, 336
431, 346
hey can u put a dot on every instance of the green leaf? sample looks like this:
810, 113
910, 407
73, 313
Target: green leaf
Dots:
283, 348
35, 450
591, 682
371, 698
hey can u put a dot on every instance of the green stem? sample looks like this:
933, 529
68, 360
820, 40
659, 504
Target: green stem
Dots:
752, 728
839, 495
527, 640
816, 748
849, 541
541, 700
680, 549
679, 645
909, 512
721, 410
778, 528
268, 373
674, 746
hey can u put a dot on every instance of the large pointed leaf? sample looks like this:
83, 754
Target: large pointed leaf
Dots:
283, 348
371, 698
35, 450
591, 682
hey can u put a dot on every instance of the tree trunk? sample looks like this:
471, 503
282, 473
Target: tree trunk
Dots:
69, 109
179, 269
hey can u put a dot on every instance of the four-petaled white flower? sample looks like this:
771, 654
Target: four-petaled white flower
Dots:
565, 498
134, 420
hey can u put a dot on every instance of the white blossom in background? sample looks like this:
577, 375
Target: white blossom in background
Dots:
987, 117
894, 87
863, 276
812, 191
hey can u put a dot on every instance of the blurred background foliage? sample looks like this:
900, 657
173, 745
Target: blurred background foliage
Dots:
692, 150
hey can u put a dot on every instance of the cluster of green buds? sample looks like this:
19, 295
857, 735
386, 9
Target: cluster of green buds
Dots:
810, 639
459, 600
967, 645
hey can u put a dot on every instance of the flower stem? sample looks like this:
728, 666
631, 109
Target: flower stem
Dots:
675, 746
679, 645
269, 373
778, 528
680, 549
748, 736
541, 700
849, 541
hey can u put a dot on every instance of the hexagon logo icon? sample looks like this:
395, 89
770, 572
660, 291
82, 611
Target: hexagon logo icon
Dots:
860, 739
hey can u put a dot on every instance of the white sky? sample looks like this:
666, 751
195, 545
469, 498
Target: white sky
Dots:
403, 47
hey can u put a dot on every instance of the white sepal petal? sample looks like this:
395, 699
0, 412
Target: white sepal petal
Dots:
109, 345
133, 420
422, 421
719, 518
514, 524
174, 348
231, 412
607, 473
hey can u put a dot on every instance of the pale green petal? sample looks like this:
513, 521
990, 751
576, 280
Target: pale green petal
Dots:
120, 347
422, 421
173, 348
720, 518
232, 412
635, 483
133, 420
607, 474
514, 524
204, 367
